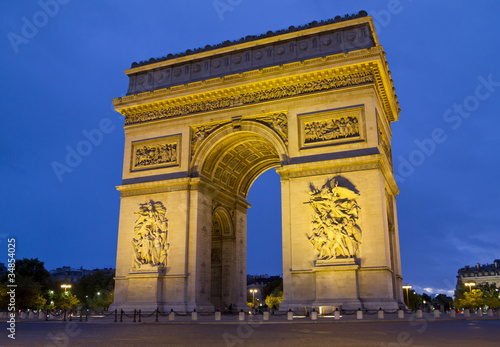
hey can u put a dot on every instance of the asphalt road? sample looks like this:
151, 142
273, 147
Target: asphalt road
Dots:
395, 333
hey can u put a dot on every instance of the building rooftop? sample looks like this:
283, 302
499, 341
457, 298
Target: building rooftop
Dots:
479, 267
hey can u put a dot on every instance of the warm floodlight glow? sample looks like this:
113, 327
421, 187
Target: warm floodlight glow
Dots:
407, 287
470, 285
65, 286
253, 291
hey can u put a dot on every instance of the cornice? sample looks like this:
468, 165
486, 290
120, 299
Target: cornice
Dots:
156, 186
338, 166
219, 83
210, 95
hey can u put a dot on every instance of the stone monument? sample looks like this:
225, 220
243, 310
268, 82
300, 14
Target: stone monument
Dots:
315, 102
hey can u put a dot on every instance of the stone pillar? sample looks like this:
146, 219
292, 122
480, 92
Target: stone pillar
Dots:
316, 274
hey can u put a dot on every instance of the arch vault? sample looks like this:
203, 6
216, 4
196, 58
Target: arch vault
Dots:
314, 102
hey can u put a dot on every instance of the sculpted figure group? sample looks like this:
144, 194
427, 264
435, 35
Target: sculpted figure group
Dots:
331, 129
335, 230
150, 235
157, 154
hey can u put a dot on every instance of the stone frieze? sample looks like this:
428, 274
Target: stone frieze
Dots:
263, 94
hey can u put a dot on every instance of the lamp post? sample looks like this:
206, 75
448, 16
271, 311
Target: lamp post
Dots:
470, 284
65, 286
407, 287
253, 291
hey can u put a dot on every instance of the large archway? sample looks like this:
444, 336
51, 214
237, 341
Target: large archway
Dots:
231, 160
315, 103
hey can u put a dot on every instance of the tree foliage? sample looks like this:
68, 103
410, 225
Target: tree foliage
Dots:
271, 286
95, 291
66, 301
274, 299
414, 299
32, 280
484, 295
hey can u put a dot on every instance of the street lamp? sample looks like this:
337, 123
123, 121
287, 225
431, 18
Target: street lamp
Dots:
65, 286
407, 287
470, 284
253, 291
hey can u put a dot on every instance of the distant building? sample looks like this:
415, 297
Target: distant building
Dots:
67, 274
479, 274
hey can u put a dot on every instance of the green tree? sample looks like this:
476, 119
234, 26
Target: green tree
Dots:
274, 299
96, 291
66, 301
271, 286
414, 299
473, 299
489, 299
32, 280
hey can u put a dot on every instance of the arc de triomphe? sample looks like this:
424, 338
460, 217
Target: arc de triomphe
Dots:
315, 102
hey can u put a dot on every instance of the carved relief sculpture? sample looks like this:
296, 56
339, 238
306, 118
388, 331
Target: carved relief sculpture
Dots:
264, 94
155, 155
384, 143
335, 230
326, 130
150, 235
277, 122
200, 133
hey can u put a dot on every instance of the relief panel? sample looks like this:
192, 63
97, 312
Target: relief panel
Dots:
331, 127
155, 153
335, 230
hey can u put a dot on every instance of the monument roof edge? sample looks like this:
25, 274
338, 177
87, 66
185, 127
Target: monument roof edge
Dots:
254, 40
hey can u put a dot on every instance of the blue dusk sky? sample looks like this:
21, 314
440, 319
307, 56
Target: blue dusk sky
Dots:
60, 66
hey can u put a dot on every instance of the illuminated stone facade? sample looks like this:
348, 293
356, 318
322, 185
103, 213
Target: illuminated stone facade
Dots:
479, 274
316, 103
